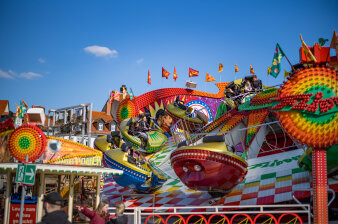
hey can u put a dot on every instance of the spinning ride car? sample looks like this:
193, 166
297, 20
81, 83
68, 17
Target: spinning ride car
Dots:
192, 119
199, 167
138, 173
156, 139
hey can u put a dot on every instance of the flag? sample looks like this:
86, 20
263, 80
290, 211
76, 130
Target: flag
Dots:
269, 70
124, 93
131, 95
165, 73
111, 97
220, 68
286, 74
307, 51
236, 68
116, 95
18, 112
277, 57
209, 78
149, 78
193, 72
322, 41
23, 107
175, 74
251, 70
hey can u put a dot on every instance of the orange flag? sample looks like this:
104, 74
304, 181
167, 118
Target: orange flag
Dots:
149, 78
193, 72
165, 73
251, 70
220, 68
175, 74
209, 78
236, 68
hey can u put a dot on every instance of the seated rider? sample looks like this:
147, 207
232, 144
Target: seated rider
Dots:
256, 84
247, 86
127, 148
137, 131
114, 139
143, 122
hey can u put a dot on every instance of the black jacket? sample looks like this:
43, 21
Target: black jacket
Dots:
123, 219
57, 217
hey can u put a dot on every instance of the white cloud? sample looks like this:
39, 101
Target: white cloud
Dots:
12, 75
139, 61
100, 51
5, 75
29, 75
41, 60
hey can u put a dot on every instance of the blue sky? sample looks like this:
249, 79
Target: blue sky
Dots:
63, 53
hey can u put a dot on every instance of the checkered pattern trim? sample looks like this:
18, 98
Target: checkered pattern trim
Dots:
256, 189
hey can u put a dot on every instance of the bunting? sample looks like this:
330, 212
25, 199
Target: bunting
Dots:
307, 51
252, 70
165, 73
236, 68
193, 72
220, 68
209, 78
175, 74
149, 78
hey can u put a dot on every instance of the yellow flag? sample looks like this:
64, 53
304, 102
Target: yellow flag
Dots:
236, 68
220, 68
269, 70
307, 51
286, 74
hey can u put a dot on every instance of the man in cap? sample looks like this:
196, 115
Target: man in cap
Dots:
52, 206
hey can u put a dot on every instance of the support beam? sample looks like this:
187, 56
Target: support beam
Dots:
41, 192
319, 185
8, 196
98, 190
71, 197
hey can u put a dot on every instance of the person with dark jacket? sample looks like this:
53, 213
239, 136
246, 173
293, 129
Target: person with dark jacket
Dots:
52, 206
119, 217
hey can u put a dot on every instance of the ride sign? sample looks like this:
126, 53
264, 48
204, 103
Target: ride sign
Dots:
25, 174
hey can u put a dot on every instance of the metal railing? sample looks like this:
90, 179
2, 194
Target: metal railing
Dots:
219, 214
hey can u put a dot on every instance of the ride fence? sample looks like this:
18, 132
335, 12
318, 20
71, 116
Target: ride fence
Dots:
249, 214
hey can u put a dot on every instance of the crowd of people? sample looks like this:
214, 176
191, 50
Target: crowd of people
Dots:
54, 214
250, 84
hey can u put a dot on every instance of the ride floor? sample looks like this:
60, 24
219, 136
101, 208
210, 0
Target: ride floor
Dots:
270, 180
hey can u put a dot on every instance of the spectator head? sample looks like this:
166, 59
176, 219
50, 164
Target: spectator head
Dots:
141, 116
102, 208
119, 208
52, 202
